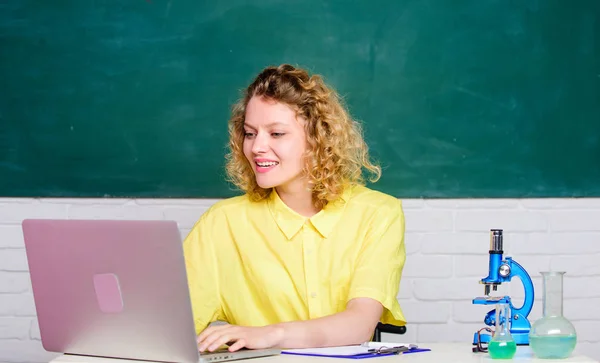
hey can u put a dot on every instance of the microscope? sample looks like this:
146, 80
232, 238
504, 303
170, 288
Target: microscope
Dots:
503, 270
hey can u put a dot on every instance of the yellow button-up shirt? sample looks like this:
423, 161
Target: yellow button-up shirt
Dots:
260, 263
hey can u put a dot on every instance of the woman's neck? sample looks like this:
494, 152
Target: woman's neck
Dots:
299, 200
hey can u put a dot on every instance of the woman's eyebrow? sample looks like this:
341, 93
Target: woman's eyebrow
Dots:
271, 124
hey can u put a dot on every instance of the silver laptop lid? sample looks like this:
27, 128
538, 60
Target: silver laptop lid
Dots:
111, 288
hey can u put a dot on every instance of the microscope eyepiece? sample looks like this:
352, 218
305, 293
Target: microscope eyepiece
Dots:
496, 240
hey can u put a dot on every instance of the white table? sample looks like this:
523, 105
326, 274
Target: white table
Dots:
440, 353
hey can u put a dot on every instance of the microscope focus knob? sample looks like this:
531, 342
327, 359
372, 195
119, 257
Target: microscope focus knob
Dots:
504, 270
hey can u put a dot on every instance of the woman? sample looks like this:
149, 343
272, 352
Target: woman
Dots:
308, 256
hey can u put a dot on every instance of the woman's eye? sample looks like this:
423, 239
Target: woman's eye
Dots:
277, 134
248, 134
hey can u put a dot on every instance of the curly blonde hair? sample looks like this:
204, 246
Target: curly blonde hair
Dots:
336, 152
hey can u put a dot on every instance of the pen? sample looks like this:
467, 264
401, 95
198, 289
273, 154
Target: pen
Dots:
386, 350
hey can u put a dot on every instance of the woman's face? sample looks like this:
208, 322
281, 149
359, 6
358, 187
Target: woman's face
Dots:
274, 144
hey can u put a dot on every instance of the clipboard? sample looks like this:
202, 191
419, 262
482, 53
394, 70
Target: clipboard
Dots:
364, 351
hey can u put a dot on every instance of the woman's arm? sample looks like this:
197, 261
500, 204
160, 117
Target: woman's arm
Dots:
354, 325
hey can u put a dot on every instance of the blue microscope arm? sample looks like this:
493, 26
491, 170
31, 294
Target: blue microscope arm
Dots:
520, 323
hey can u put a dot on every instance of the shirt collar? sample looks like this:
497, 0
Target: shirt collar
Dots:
290, 222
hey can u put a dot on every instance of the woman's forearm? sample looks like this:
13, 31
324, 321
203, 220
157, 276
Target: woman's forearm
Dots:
355, 325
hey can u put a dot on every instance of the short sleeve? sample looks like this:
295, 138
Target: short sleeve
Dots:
202, 275
379, 266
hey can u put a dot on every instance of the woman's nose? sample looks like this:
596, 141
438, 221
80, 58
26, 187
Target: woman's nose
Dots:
261, 144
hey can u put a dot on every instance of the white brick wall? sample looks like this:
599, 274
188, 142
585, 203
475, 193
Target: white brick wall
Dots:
447, 244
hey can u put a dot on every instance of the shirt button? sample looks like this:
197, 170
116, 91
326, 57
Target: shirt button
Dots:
309, 251
313, 295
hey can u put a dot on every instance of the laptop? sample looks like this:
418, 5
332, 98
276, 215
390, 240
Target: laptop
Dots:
116, 289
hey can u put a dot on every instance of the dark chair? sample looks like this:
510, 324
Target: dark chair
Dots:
387, 328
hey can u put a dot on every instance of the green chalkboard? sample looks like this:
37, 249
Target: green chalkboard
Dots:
461, 98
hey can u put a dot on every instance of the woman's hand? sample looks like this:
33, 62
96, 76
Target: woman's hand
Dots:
238, 337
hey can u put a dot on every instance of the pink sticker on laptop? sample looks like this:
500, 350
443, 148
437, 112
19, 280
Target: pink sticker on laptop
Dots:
108, 293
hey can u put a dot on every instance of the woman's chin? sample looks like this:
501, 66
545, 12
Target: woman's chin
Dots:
265, 184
